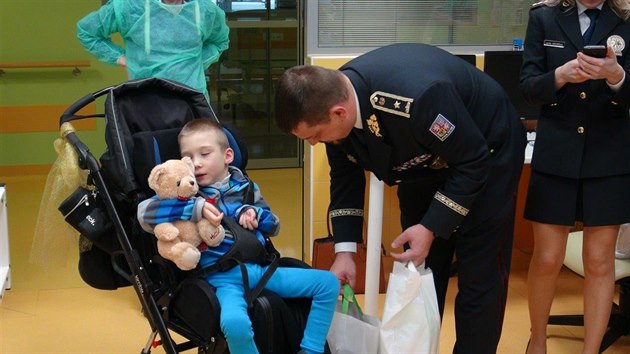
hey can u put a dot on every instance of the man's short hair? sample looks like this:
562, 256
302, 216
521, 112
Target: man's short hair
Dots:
306, 93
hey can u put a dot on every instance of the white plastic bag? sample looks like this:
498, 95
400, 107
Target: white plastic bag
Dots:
411, 317
352, 331
622, 249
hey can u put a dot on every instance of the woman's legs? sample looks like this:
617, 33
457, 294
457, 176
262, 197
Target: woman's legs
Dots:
598, 256
549, 247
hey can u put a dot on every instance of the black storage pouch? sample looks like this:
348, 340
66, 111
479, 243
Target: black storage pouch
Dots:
85, 211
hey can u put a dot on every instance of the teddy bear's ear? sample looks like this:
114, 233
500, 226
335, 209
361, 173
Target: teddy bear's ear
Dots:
155, 175
189, 163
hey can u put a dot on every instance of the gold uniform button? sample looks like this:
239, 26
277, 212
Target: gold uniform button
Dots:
580, 130
583, 95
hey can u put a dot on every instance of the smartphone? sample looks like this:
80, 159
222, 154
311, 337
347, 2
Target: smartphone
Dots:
597, 51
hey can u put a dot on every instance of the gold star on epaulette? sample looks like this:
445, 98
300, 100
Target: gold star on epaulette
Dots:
373, 126
391, 103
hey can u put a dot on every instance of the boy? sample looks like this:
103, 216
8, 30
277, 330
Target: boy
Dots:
204, 141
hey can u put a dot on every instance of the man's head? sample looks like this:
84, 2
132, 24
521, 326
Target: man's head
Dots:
315, 104
205, 142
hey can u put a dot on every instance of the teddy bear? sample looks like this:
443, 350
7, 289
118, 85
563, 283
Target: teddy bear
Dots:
178, 240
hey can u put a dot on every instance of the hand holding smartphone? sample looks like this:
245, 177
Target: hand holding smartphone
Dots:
597, 51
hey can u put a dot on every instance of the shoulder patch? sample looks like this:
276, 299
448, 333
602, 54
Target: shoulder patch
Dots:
441, 127
617, 43
390, 103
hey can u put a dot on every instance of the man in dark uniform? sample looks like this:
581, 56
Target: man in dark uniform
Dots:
448, 136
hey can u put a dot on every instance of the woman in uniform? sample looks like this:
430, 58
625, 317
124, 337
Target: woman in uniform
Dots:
581, 161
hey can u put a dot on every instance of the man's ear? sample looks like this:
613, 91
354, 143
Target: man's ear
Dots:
229, 156
338, 111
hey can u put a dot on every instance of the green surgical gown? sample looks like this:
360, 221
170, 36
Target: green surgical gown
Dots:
176, 42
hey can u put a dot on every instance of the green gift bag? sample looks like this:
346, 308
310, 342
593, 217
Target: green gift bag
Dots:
352, 331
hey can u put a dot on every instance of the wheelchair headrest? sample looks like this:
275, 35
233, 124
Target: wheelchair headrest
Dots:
154, 147
238, 145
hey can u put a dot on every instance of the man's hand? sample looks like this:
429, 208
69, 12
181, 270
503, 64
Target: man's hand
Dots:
419, 238
212, 214
345, 269
248, 219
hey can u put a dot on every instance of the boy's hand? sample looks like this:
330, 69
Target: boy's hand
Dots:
248, 219
212, 214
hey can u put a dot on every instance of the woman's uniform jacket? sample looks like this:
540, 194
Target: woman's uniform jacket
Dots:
583, 129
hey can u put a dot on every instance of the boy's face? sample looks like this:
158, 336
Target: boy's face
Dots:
211, 162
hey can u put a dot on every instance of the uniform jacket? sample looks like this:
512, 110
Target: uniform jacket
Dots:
427, 113
583, 129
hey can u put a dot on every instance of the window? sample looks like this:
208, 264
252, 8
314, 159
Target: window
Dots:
265, 40
359, 25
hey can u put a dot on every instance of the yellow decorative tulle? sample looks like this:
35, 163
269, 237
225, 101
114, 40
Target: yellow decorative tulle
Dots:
53, 236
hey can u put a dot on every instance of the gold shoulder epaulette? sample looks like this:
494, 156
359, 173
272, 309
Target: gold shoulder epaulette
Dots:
391, 103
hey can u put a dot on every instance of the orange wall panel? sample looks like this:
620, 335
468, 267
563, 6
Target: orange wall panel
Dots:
41, 118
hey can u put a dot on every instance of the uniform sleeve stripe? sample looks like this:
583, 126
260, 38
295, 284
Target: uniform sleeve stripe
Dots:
345, 212
451, 204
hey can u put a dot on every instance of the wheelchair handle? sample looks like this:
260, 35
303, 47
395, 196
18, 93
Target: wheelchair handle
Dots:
85, 158
70, 113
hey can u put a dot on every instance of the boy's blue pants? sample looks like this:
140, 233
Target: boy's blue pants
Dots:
321, 286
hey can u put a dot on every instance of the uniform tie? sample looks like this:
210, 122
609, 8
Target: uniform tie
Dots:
592, 14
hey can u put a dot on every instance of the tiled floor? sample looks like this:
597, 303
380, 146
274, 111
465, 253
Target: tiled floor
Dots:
55, 312
85, 320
